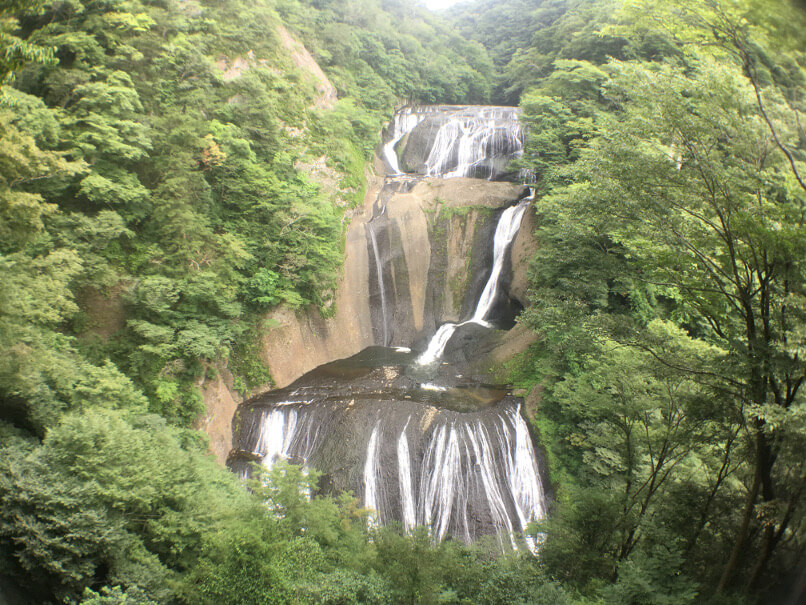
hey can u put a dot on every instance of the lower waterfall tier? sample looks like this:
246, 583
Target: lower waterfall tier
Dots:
441, 451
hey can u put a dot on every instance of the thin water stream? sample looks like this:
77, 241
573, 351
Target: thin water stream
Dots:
505, 232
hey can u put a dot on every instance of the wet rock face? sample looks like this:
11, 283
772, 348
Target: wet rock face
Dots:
455, 141
416, 146
456, 457
433, 239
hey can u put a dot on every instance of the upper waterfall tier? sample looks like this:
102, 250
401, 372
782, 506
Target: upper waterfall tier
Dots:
454, 141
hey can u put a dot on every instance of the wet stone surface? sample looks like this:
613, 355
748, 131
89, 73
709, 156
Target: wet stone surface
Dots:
419, 445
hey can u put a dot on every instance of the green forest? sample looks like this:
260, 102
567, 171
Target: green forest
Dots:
154, 208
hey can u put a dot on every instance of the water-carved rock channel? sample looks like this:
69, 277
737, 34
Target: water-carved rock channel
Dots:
411, 424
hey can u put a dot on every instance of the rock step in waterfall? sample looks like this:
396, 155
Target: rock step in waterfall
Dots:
409, 457
419, 440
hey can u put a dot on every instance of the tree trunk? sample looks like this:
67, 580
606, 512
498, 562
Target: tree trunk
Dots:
724, 471
738, 546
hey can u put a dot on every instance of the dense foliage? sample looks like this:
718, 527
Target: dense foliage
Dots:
168, 174
669, 290
382, 52
527, 37
156, 199
156, 161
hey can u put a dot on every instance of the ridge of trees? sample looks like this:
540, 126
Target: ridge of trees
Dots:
669, 292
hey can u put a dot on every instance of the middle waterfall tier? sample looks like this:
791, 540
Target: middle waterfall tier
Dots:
505, 232
435, 256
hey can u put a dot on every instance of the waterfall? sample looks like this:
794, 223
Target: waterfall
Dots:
505, 232
455, 141
279, 428
371, 471
404, 472
439, 468
464, 474
284, 431
454, 456
524, 478
373, 237
472, 140
403, 123
437, 344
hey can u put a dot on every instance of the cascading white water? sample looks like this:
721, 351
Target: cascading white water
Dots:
439, 469
524, 478
404, 474
483, 453
278, 434
370, 228
403, 123
460, 474
505, 233
284, 433
472, 140
463, 474
371, 472
467, 140
461, 477
437, 344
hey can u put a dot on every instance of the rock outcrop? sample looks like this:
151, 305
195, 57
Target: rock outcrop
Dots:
326, 97
326, 93
221, 401
433, 228
430, 232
